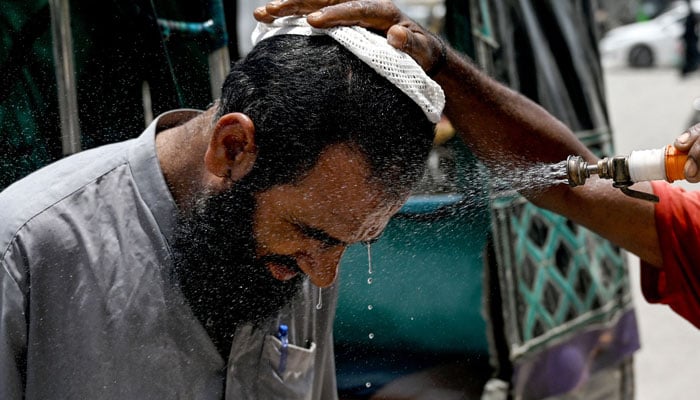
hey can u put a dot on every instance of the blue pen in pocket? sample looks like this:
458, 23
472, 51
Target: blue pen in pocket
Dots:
283, 336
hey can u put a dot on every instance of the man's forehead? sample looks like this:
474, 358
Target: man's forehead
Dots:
339, 196
351, 221
342, 190
342, 173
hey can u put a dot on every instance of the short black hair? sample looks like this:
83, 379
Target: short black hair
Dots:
305, 93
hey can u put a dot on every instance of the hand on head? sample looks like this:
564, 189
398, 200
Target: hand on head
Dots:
377, 15
688, 143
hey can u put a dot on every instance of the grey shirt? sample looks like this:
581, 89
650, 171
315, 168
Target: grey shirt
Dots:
87, 308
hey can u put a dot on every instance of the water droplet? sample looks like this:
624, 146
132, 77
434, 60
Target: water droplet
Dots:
369, 257
369, 280
319, 305
368, 384
371, 335
370, 307
411, 318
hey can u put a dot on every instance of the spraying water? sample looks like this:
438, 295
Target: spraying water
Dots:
543, 175
535, 177
504, 174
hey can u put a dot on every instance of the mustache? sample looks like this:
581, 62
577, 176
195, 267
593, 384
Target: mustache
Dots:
286, 261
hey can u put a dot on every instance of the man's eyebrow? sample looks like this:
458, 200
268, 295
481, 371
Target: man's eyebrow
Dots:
320, 235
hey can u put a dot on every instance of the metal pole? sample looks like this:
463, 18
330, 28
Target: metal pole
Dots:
65, 75
219, 66
219, 62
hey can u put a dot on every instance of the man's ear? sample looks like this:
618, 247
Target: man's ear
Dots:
232, 151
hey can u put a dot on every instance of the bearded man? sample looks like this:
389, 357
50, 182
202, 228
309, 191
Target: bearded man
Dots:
163, 266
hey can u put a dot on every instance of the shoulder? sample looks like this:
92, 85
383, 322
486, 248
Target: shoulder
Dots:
39, 193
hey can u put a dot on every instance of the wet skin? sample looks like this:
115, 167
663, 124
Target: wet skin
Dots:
313, 220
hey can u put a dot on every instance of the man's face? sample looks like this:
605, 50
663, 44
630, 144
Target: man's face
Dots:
241, 257
311, 222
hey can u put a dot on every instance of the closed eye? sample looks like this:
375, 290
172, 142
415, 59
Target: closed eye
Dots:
319, 235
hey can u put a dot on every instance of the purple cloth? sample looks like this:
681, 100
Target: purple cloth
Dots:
564, 367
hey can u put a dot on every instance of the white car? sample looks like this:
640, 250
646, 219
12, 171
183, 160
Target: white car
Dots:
657, 42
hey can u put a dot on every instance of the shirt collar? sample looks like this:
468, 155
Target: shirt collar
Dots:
147, 174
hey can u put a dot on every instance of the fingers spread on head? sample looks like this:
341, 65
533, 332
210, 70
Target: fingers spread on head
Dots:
374, 15
377, 15
262, 15
284, 8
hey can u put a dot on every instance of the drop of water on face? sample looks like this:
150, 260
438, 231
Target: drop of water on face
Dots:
368, 384
370, 307
369, 256
319, 305
371, 335
369, 281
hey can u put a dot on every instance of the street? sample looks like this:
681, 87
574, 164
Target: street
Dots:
649, 109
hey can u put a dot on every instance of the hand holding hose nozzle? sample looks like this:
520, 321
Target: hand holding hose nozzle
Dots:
645, 165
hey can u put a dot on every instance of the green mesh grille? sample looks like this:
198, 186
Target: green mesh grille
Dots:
556, 277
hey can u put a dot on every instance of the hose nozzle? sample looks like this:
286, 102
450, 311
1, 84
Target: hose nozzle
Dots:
616, 168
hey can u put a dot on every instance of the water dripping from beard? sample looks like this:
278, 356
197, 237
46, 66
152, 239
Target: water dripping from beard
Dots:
216, 269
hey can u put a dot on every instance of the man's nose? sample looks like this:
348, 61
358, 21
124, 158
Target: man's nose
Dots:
322, 266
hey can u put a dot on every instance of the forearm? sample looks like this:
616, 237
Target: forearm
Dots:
605, 210
498, 123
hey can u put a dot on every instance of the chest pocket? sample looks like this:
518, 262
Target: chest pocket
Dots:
286, 376
255, 371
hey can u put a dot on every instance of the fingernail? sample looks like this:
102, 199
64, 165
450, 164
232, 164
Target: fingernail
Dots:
397, 38
394, 42
691, 168
683, 138
315, 14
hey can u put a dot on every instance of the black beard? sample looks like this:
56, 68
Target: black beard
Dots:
217, 271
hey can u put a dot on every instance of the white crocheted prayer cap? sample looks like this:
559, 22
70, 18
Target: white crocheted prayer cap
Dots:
396, 66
